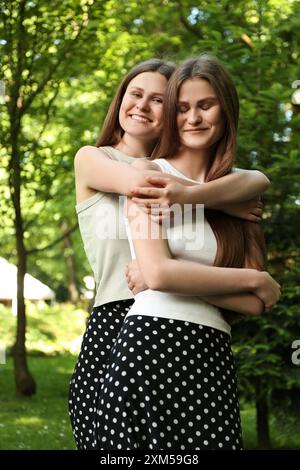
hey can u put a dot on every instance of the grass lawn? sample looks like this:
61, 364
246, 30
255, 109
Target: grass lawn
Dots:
42, 422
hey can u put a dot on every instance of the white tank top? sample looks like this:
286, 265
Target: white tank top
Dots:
185, 244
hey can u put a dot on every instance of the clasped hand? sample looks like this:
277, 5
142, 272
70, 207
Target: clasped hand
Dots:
157, 199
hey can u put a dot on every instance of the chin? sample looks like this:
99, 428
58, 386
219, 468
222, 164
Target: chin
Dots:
197, 145
141, 134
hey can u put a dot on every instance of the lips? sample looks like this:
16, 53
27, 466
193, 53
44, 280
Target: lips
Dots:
139, 118
196, 130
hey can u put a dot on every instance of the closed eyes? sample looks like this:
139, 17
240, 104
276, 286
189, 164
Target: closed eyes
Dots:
202, 104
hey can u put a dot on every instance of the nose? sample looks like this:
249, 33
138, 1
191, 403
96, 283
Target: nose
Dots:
194, 116
143, 104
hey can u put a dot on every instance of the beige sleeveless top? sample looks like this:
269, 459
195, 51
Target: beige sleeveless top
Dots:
103, 232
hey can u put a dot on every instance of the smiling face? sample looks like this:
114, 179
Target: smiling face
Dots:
200, 119
141, 109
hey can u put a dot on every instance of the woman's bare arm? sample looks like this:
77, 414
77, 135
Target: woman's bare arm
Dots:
234, 194
163, 273
238, 186
94, 170
246, 304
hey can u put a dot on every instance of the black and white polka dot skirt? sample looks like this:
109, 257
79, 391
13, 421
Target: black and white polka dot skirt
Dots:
101, 333
169, 384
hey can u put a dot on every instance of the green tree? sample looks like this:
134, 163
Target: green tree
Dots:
36, 40
61, 64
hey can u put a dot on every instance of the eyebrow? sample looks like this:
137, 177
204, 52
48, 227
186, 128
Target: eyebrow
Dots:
141, 89
208, 98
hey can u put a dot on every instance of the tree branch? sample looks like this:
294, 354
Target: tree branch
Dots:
51, 72
35, 143
36, 250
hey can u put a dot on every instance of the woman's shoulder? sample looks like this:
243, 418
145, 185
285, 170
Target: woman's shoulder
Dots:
89, 150
145, 164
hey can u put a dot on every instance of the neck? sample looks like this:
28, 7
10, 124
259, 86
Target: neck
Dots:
193, 163
134, 147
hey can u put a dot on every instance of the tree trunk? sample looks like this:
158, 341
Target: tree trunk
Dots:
19, 39
68, 253
25, 384
262, 418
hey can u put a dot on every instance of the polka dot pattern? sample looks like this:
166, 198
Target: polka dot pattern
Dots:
169, 384
102, 330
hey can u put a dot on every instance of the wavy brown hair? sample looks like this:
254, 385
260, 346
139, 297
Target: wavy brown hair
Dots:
111, 131
240, 243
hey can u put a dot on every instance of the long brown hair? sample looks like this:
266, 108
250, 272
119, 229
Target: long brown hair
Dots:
240, 242
111, 131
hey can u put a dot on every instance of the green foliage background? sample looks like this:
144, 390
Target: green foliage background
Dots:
74, 54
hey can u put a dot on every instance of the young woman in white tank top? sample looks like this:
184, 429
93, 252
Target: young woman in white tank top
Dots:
170, 380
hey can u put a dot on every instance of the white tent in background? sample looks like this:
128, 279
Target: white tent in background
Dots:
34, 289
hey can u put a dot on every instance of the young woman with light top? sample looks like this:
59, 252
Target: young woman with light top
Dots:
170, 380
131, 130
